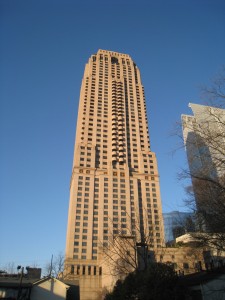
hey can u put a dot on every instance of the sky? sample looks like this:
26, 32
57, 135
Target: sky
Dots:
44, 44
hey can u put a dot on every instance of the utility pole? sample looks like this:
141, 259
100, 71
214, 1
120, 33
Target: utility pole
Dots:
21, 279
50, 274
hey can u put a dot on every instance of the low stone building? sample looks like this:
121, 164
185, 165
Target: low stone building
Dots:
185, 260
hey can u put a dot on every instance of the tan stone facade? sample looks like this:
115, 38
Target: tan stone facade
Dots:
185, 260
115, 184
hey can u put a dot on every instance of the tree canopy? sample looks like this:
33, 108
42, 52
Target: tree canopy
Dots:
158, 282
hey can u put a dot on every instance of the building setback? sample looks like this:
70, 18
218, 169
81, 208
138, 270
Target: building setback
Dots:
115, 183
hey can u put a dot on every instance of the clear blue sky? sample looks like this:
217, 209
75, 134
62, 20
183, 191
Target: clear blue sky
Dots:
178, 45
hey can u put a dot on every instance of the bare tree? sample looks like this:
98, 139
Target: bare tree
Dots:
9, 268
209, 213
127, 251
56, 266
204, 139
215, 93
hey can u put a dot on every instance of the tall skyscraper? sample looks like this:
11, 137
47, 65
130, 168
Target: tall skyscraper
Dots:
115, 183
204, 138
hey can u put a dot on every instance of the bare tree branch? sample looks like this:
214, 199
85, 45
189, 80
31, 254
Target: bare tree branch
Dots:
56, 267
204, 139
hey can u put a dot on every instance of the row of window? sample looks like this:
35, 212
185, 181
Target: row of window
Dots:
85, 270
87, 184
115, 181
84, 257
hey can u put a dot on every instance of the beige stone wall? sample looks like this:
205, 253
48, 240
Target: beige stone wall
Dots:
184, 259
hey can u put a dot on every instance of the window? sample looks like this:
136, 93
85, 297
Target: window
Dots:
78, 270
185, 265
89, 270
72, 269
83, 269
